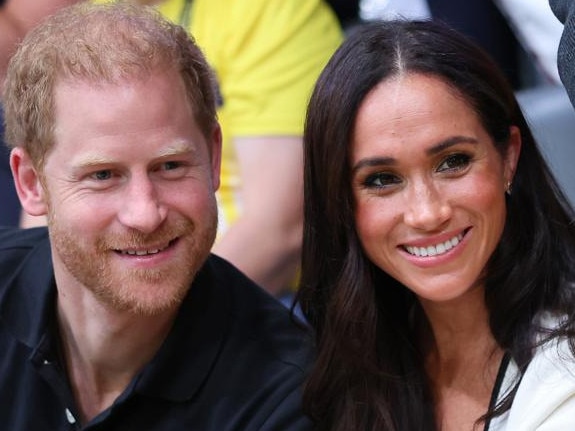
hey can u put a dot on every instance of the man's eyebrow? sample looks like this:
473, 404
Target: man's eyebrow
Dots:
436, 149
175, 149
92, 160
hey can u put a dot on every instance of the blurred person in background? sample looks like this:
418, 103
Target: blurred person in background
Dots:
520, 36
17, 17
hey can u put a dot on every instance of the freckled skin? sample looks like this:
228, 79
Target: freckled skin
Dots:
425, 170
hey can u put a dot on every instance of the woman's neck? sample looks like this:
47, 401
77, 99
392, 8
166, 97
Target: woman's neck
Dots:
462, 359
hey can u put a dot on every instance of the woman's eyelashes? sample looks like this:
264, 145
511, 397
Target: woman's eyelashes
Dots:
381, 180
456, 162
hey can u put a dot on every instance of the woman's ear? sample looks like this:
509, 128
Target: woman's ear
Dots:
512, 155
27, 181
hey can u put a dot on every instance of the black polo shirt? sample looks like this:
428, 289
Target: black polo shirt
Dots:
232, 361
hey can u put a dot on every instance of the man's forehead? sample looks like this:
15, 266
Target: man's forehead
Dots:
97, 83
97, 98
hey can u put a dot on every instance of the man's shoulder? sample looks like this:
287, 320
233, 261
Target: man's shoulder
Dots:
21, 239
261, 322
263, 357
16, 244
23, 251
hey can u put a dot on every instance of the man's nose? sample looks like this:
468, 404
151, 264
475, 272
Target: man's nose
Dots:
141, 208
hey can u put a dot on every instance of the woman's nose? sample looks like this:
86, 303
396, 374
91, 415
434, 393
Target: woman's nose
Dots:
426, 207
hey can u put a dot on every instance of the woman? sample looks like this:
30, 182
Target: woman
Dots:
439, 252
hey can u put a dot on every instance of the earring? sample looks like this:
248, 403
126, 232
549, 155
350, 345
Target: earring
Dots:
508, 188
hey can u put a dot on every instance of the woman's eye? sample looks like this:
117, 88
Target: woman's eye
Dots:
102, 175
454, 162
381, 180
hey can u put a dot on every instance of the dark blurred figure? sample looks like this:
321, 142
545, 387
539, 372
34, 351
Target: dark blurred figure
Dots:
9, 205
483, 22
347, 11
517, 38
565, 12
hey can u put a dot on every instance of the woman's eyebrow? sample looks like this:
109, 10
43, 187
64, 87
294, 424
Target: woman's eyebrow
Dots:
450, 142
435, 149
374, 161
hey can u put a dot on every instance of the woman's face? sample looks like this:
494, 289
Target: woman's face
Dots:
429, 186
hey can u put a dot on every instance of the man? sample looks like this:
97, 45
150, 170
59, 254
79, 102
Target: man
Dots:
116, 317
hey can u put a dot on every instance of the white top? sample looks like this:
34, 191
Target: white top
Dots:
545, 400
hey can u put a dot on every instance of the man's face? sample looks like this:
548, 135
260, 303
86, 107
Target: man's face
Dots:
130, 188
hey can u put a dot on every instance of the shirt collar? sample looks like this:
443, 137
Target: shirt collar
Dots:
192, 347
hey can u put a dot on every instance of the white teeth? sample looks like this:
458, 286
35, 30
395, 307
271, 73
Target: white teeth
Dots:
434, 250
140, 252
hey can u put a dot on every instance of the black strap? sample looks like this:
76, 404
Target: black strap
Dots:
497, 387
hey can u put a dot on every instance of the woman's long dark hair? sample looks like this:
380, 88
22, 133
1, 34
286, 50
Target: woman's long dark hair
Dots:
369, 373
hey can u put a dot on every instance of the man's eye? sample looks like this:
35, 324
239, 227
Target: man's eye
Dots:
381, 180
454, 162
169, 166
102, 175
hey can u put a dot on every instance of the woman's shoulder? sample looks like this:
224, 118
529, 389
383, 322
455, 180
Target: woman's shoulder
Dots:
546, 393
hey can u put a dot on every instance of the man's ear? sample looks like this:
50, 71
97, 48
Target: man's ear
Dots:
512, 155
27, 181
